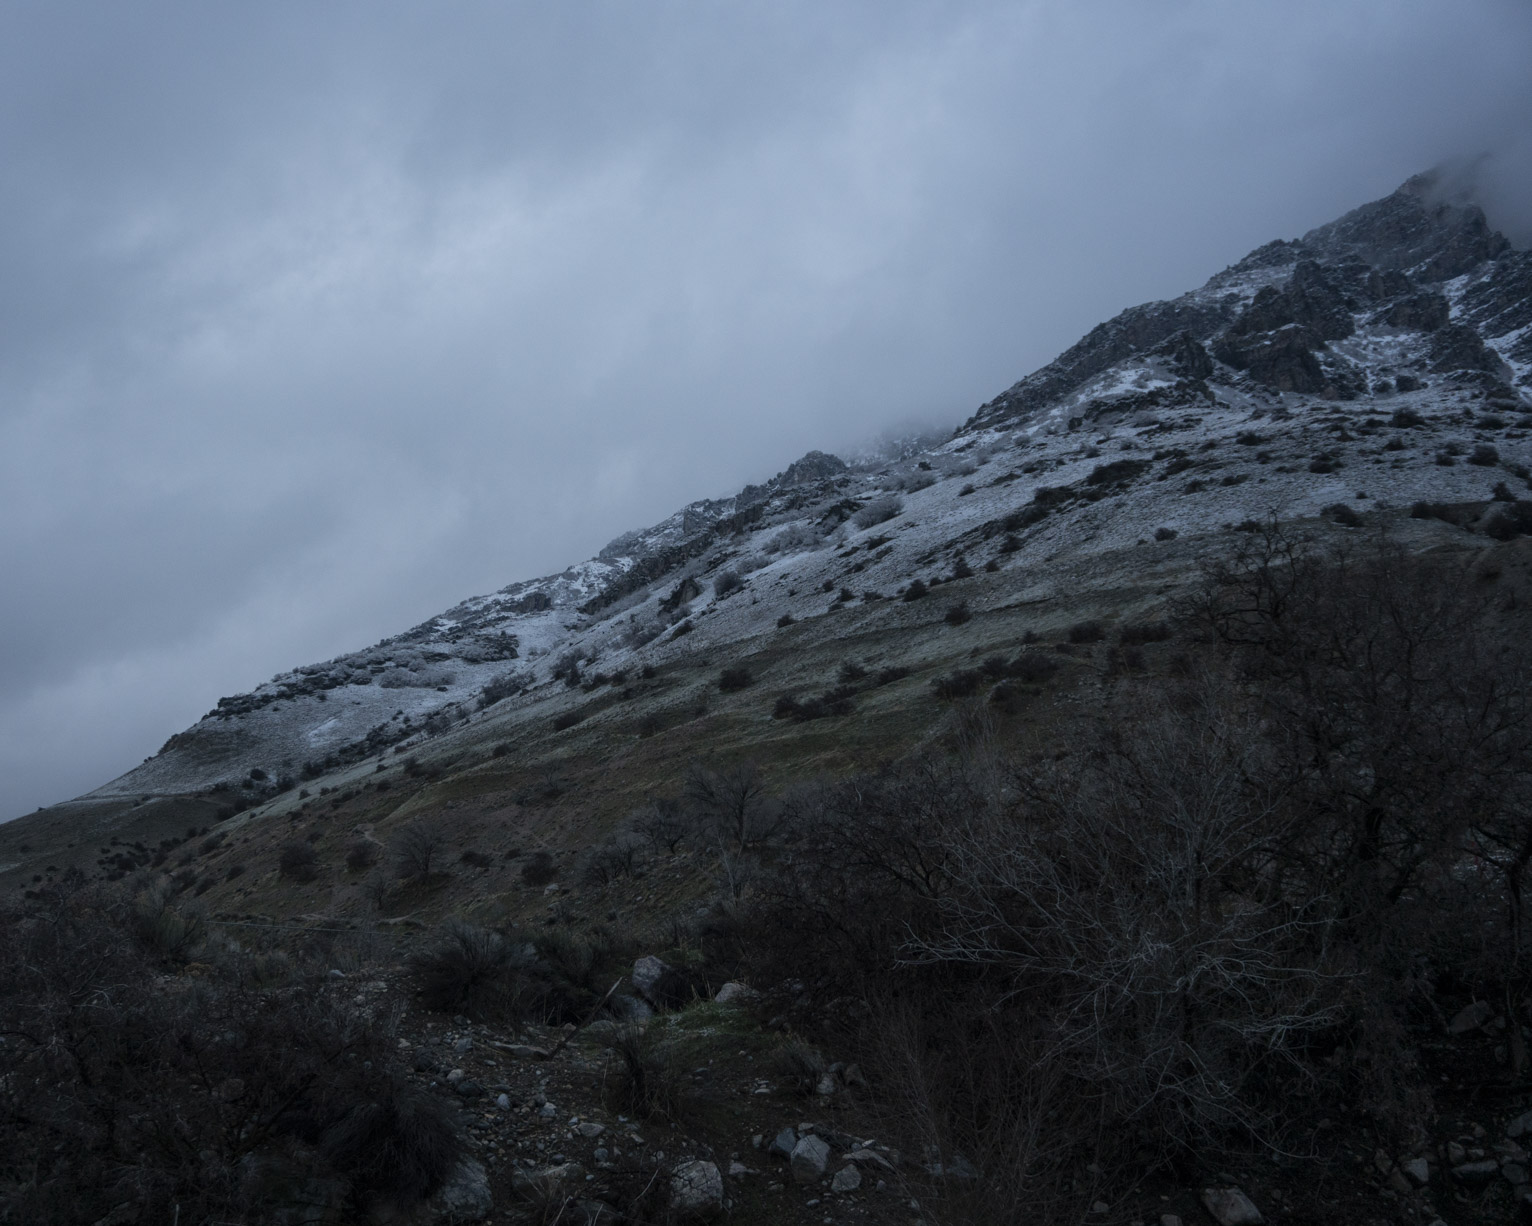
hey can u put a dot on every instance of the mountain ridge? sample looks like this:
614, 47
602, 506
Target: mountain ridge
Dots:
1409, 306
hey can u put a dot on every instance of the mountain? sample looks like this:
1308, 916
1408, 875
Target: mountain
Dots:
1114, 811
1378, 361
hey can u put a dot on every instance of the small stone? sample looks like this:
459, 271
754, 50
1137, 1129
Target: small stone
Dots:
735, 993
738, 1170
696, 1190
809, 1159
1471, 1017
1456, 1154
468, 1088
782, 1144
336, 973
547, 1111
847, 1179
590, 1129
456, 1075
463, 1044
1231, 1207
1476, 1174
1515, 1173
1100, 1207
503, 1101
1521, 1125
826, 1086
1419, 1171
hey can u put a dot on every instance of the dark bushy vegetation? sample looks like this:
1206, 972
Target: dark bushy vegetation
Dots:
735, 678
1087, 632
1246, 897
205, 1098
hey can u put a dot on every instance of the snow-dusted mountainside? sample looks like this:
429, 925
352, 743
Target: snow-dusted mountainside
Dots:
1381, 360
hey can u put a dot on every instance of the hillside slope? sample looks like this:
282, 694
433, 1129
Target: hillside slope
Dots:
1380, 361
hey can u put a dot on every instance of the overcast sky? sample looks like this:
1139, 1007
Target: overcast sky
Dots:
318, 318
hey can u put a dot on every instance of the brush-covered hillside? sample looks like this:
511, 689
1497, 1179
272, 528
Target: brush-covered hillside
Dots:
1117, 809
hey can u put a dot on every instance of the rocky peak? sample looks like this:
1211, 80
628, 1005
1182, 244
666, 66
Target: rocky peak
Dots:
1416, 228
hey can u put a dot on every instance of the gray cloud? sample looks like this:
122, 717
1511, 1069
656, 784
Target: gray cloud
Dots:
315, 319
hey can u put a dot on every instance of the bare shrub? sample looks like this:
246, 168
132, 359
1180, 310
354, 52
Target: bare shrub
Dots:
727, 581
362, 853
503, 685
732, 803
735, 677
664, 823
470, 970
298, 860
795, 538
165, 930
960, 683
1087, 632
647, 1078
879, 510
538, 869
1144, 632
611, 860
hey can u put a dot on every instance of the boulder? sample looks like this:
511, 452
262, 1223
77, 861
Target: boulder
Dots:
647, 973
735, 993
696, 1190
1476, 1174
1470, 1017
809, 1159
782, 1144
465, 1196
1231, 1207
847, 1179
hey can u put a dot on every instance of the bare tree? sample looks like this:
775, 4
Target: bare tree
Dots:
733, 802
416, 847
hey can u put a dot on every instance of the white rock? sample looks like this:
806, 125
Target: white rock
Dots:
847, 1179
809, 1159
735, 993
696, 1190
647, 973
1231, 1207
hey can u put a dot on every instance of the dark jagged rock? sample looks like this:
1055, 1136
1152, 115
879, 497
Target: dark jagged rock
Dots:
1423, 312
1283, 359
1309, 300
1411, 229
1134, 331
1187, 356
1459, 347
